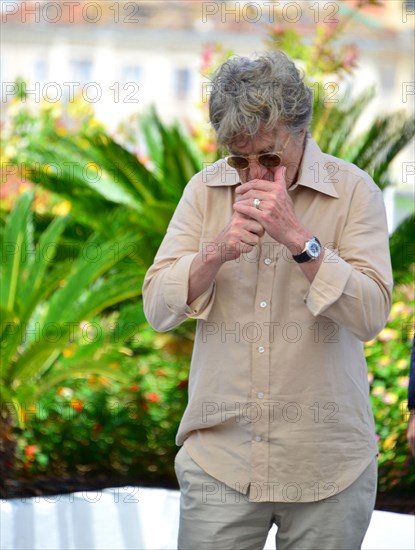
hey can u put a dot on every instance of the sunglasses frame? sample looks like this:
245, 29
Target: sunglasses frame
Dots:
248, 158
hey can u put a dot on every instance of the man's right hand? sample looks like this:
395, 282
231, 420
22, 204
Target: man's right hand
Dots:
239, 236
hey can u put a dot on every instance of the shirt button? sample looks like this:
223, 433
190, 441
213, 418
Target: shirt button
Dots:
258, 438
261, 349
267, 261
263, 304
260, 395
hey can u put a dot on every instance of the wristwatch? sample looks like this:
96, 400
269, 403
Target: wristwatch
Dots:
312, 250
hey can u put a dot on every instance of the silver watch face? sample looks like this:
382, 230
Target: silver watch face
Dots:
313, 248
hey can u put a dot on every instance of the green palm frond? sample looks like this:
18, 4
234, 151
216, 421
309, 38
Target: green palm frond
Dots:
334, 128
402, 247
333, 123
44, 301
18, 252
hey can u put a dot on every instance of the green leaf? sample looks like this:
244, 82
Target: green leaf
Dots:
113, 290
96, 258
402, 249
82, 370
44, 253
18, 245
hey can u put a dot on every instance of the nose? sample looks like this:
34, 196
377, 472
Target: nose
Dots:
255, 170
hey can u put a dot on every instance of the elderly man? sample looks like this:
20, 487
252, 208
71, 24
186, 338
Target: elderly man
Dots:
281, 254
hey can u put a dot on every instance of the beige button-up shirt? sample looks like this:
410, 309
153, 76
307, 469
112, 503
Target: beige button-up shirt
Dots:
278, 393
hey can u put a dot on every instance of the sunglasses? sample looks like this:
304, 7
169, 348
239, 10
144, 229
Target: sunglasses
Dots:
268, 160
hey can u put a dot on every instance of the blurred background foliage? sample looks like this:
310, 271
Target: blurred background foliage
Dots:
87, 387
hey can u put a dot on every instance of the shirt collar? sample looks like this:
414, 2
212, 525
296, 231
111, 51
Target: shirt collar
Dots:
312, 172
220, 173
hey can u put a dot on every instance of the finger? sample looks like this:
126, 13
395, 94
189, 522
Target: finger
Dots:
254, 227
250, 202
254, 194
257, 230
249, 211
279, 175
255, 185
249, 238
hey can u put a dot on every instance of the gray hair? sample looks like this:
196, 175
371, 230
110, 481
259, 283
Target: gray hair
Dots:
250, 96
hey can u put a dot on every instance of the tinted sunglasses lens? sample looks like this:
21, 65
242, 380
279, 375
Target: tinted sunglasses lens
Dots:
237, 162
269, 160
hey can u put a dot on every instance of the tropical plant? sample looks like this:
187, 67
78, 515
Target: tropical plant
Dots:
388, 367
95, 426
44, 304
373, 150
103, 180
119, 211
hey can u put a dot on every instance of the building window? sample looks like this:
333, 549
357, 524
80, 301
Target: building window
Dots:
81, 71
182, 83
130, 73
41, 71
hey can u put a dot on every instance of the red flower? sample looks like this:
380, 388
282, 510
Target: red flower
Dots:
182, 384
134, 387
30, 451
160, 372
77, 405
97, 429
153, 397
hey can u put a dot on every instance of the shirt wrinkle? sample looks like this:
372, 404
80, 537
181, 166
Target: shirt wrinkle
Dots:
278, 387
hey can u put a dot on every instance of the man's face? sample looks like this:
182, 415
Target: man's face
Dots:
288, 148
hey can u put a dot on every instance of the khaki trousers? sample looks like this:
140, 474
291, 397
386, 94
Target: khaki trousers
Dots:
227, 520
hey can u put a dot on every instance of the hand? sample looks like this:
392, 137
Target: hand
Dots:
239, 236
411, 432
276, 210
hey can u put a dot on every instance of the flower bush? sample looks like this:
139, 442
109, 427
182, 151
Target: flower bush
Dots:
388, 370
100, 427
97, 426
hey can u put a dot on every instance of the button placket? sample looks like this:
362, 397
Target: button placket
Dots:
261, 368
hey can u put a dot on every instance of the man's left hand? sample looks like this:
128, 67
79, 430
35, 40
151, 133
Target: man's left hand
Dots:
275, 212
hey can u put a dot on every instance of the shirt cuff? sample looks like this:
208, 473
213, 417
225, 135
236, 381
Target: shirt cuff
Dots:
177, 287
328, 284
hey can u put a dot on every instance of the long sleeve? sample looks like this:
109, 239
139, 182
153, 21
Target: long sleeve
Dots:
165, 287
353, 287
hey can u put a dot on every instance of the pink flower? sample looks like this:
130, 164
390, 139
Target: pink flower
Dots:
350, 56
